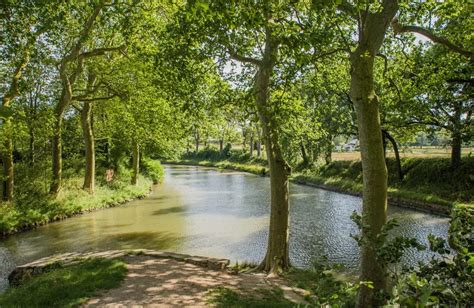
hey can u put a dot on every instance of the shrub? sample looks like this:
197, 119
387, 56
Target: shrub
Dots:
153, 169
448, 280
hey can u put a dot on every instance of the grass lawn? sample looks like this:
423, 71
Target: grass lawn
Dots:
66, 286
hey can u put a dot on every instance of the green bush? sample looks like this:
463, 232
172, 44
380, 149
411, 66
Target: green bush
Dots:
325, 287
445, 281
153, 169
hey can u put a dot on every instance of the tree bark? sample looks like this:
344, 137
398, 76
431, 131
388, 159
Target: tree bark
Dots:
57, 163
135, 162
7, 156
87, 130
328, 151
196, 139
304, 155
107, 152
221, 146
32, 113
372, 29
390, 138
374, 172
251, 144
277, 256
32, 148
259, 143
456, 146
456, 138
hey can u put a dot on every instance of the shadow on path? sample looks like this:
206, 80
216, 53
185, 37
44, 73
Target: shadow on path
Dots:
157, 282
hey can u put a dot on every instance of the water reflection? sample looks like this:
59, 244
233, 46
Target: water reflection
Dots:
216, 213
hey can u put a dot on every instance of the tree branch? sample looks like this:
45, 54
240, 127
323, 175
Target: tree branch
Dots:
13, 89
101, 51
234, 55
82, 98
398, 28
84, 33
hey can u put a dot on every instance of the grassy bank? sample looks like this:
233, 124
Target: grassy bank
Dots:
33, 205
427, 180
72, 200
68, 286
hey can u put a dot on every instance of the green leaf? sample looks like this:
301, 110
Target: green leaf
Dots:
5, 112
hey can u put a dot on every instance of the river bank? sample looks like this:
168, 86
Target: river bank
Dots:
338, 181
71, 201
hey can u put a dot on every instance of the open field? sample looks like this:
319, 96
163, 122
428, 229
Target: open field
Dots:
408, 152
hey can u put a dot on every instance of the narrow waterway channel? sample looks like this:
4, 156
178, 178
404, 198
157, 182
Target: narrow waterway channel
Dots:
205, 211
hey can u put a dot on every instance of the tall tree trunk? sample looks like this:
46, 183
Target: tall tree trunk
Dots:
221, 146
251, 144
390, 138
57, 162
456, 138
304, 155
87, 130
456, 146
33, 105
7, 156
107, 152
277, 256
259, 143
374, 172
67, 81
196, 139
373, 26
31, 147
328, 151
135, 162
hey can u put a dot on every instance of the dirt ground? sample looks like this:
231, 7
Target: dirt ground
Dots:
152, 282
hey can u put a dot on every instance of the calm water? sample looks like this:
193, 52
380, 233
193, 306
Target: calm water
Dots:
209, 212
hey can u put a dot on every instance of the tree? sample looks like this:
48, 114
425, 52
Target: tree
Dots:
23, 25
236, 21
373, 20
76, 58
441, 75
